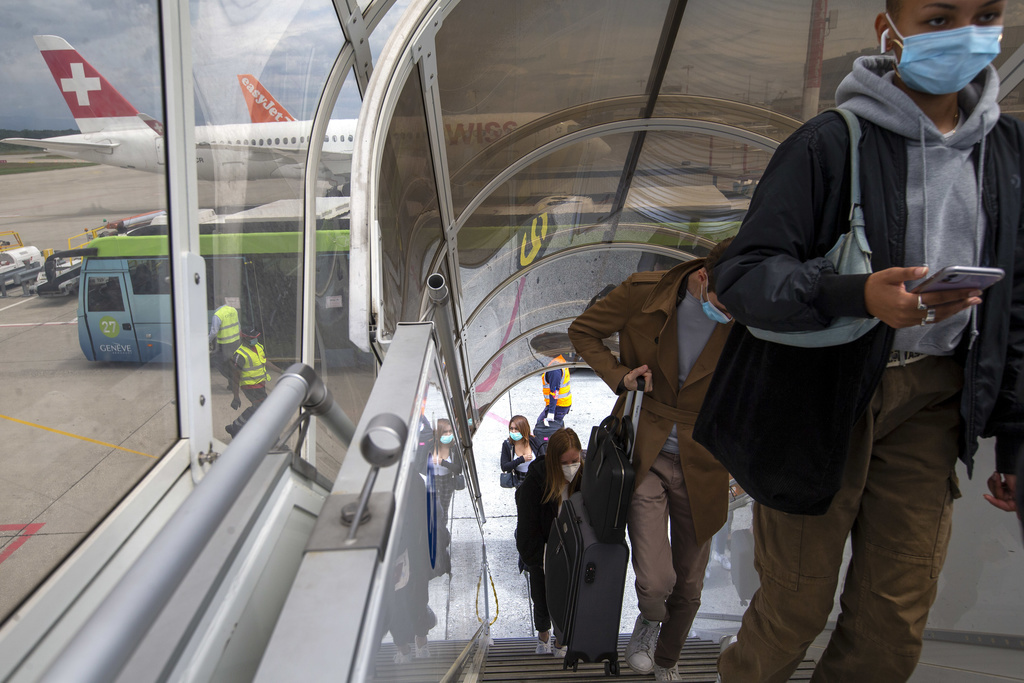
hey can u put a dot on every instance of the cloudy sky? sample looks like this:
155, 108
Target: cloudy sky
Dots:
289, 46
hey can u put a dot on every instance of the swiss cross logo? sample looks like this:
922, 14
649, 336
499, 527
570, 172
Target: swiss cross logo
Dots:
80, 84
24, 531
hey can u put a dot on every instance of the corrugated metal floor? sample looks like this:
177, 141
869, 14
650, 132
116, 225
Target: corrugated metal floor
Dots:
514, 659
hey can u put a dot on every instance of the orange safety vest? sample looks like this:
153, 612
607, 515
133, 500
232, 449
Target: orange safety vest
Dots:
564, 398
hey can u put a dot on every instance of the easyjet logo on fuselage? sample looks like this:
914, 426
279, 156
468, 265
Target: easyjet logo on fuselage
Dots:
262, 107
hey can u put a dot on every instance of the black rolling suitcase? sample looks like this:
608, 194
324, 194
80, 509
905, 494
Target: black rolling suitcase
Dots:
544, 430
608, 476
585, 582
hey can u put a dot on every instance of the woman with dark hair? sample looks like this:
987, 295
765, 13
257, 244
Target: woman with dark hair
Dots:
447, 464
550, 479
519, 449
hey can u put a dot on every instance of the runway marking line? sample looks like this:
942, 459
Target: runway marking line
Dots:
26, 530
23, 301
70, 322
495, 416
76, 436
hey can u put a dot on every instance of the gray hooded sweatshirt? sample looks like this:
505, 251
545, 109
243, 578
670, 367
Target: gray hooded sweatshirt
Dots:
945, 220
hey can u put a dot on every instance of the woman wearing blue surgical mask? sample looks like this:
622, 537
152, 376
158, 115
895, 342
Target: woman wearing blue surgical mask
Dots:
939, 50
447, 465
551, 478
519, 449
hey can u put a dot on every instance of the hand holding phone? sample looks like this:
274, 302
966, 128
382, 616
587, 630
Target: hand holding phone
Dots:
960, 277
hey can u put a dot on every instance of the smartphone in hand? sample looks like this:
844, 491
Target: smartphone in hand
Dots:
960, 277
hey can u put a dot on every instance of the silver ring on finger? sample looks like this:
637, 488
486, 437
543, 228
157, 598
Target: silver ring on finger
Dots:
921, 306
929, 317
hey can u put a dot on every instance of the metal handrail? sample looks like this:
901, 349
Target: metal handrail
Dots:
105, 643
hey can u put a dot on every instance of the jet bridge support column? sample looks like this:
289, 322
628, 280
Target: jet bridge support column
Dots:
437, 289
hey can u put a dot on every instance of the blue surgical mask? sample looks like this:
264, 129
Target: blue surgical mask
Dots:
711, 311
944, 62
515, 436
447, 438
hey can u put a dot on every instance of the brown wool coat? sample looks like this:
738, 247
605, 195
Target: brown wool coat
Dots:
643, 311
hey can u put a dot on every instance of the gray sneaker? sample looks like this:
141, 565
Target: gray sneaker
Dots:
662, 673
640, 650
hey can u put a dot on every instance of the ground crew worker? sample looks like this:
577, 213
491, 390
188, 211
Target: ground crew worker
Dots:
223, 338
557, 393
248, 372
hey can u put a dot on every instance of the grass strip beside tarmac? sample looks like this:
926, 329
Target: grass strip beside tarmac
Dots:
31, 167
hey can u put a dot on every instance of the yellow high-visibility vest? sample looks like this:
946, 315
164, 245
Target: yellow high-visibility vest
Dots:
564, 397
229, 329
255, 370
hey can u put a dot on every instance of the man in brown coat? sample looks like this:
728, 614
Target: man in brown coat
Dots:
671, 331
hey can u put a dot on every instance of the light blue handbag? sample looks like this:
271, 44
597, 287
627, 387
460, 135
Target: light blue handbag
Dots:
851, 255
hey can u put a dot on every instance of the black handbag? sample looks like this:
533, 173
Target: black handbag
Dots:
508, 480
608, 476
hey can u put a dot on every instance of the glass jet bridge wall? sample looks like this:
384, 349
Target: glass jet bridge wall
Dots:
105, 389
568, 145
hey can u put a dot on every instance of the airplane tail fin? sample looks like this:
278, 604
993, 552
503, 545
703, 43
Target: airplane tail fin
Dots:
263, 108
95, 104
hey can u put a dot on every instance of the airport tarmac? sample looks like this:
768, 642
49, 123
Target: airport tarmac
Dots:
77, 435
48, 207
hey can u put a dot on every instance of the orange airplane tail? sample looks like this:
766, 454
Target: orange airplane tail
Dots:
263, 108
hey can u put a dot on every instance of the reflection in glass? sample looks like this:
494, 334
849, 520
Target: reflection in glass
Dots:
438, 553
259, 73
347, 371
528, 59
407, 212
88, 405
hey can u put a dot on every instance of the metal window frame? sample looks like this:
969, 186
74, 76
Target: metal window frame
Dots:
419, 23
188, 270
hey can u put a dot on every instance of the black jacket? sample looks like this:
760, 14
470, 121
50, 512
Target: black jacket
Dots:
510, 463
535, 517
799, 405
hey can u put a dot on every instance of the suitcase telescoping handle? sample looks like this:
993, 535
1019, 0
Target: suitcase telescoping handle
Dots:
631, 417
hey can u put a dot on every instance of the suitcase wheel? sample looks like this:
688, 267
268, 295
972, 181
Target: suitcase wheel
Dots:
611, 668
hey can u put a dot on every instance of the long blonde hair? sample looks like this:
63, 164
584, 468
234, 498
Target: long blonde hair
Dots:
560, 442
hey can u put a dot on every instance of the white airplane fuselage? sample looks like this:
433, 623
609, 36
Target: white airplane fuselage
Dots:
222, 151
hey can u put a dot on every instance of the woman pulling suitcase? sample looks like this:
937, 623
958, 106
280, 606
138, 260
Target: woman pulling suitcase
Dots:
550, 480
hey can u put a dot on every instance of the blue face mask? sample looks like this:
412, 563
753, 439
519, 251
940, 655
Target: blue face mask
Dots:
447, 438
711, 311
515, 436
944, 62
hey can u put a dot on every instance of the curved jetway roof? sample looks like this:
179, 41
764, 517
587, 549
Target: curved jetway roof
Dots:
536, 153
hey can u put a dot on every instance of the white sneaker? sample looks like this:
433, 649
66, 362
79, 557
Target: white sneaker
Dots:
640, 650
722, 560
666, 674
422, 652
544, 646
559, 652
401, 658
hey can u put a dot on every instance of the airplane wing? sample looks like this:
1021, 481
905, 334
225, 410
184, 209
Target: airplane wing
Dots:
70, 147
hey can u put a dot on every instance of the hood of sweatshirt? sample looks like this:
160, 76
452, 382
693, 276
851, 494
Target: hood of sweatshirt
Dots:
869, 92
945, 222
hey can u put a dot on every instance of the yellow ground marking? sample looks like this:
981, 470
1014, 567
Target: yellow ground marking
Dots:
76, 436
